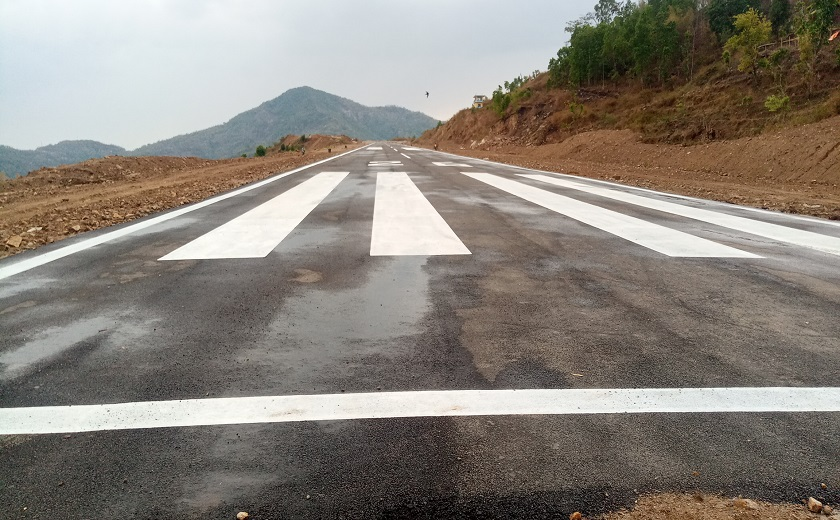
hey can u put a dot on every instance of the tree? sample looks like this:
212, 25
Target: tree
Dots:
780, 16
812, 23
260, 151
721, 14
753, 29
606, 10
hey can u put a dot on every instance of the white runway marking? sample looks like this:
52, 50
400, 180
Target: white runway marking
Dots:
45, 258
256, 233
409, 149
404, 155
405, 223
452, 165
825, 243
385, 163
373, 148
664, 240
382, 405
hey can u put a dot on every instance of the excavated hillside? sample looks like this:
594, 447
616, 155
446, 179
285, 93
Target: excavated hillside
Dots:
712, 138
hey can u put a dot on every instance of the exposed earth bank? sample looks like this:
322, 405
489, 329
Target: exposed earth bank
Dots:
53, 203
795, 170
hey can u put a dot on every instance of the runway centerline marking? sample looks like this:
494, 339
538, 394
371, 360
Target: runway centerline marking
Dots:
404, 155
389, 405
661, 239
256, 233
406, 223
45, 258
825, 243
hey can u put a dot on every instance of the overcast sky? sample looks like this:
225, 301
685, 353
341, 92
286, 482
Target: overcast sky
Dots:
131, 72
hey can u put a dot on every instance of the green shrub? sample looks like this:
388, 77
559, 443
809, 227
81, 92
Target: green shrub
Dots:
260, 151
777, 103
244, 155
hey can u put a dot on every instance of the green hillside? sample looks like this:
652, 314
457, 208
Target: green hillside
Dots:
302, 110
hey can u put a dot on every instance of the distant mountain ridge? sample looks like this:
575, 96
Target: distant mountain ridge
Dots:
302, 110
15, 162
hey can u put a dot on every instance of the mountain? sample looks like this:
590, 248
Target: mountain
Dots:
14, 162
301, 110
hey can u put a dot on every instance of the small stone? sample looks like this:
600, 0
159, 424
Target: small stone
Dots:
827, 510
814, 505
823, 485
242, 515
575, 516
34, 230
14, 241
76, 228
745, 503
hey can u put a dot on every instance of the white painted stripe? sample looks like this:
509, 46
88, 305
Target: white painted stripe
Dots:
374, 148
384, 163
798, 237
405, 223
45, 258
385, 405
404, 155
256, 233
452, 165
410, 149
664, 240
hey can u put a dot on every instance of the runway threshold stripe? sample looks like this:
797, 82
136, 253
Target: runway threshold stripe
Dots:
45, 258
825, 243
661, 239
405, 223
383, 405
256, 233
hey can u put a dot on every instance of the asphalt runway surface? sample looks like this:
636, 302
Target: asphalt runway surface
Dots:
403, 333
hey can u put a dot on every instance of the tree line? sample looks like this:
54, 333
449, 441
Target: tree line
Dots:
656, 41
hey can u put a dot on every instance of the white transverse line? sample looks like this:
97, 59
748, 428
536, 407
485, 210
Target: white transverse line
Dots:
382, 405
31, 263
452, 165
404, 155
256, 233
405, 223
664, 240
798, 237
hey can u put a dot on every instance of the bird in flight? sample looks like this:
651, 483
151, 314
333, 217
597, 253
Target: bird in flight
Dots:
427, 94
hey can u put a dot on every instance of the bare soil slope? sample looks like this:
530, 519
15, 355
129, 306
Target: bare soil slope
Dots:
795, 170
52, 203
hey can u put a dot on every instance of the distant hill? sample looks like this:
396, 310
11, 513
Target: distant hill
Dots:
14, 162
302, 110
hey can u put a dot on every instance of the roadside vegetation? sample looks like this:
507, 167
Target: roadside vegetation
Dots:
677, 71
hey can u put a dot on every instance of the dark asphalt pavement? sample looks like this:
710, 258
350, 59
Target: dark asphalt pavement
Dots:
542, 301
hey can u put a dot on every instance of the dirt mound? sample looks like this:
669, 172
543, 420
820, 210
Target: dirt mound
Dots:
313, 142
52, 203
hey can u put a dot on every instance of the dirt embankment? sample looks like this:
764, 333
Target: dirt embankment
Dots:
794, 170
52, 203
